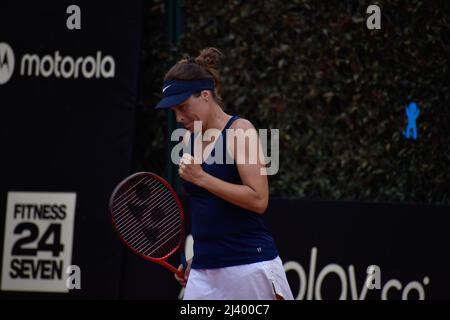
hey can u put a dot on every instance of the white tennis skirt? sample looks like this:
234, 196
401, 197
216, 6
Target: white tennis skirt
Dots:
256, 281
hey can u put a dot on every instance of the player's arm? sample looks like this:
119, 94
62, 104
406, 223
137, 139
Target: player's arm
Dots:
253, 193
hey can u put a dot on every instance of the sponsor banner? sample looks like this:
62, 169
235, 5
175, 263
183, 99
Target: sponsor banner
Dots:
37, 248
32, 65
362, 251
339, 250
68, 96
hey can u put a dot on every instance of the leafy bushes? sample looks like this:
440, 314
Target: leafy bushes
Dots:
336, 91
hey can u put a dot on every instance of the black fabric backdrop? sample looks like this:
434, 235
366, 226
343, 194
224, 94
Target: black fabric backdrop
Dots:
72, 135
408, 243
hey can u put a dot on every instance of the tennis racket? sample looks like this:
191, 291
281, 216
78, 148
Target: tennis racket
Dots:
148, 216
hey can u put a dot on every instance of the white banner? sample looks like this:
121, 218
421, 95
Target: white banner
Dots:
37, 247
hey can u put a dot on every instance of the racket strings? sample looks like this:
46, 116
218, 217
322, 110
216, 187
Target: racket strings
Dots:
123, 199
120, 209
147, 239
148, 217
128, 222
154, 232
144, 214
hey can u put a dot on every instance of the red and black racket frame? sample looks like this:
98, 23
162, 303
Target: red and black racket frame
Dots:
162, 260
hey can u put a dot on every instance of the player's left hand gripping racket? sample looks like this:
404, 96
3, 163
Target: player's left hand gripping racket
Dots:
148, 216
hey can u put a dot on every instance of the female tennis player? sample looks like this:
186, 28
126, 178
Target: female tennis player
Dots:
235, 256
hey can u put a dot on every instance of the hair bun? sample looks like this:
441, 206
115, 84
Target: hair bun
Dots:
210, 58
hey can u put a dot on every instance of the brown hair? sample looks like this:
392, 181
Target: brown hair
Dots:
205, 66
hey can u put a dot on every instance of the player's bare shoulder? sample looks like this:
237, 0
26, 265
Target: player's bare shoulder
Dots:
242, 140
240, 130
242, 123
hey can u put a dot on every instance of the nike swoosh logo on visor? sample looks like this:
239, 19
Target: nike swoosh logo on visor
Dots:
164, 89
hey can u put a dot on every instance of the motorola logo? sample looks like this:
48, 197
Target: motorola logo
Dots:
6, 62
96, 66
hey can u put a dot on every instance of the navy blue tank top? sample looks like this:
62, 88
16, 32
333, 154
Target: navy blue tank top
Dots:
225, 234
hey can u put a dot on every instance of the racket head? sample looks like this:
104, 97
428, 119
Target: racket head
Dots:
148, 216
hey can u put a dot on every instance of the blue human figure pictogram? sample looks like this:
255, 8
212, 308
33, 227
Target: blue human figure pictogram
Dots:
412, 113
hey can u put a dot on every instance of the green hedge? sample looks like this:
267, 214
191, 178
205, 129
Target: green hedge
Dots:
336, 90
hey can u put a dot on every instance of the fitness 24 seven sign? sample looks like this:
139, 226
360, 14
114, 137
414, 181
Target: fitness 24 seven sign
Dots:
38, 241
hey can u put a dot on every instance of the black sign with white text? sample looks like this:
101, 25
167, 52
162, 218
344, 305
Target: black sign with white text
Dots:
340, 250
37, 249
68, 91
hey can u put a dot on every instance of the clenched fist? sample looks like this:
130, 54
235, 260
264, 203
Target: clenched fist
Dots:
190, 171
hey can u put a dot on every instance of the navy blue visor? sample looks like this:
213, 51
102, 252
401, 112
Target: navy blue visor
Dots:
176, 92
